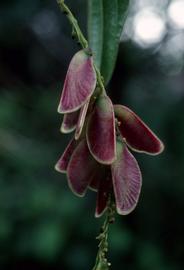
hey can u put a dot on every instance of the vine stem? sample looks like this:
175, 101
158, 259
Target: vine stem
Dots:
101, 262
76, 32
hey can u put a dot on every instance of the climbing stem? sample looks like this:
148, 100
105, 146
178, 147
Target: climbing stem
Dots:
101, 262
100, 80
76, 32
74, 23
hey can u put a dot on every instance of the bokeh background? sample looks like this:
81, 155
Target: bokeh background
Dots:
42, 224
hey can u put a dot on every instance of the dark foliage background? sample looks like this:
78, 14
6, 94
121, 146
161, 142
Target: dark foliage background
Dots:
42, 224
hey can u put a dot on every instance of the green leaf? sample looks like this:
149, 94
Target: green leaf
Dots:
122, 13
114, 17
95, 29
110, 38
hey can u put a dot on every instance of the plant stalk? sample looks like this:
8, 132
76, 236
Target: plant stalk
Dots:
101, 262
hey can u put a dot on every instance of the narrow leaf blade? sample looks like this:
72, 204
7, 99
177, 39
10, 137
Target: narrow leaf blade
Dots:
122, 14
110, 38
95, 29
114, 18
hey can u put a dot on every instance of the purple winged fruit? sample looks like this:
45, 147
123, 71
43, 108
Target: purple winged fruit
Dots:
98, 157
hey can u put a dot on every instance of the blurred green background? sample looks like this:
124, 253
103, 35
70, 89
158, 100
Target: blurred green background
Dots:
42, 224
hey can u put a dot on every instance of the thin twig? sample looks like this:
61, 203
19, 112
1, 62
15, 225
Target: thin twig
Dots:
101, 262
